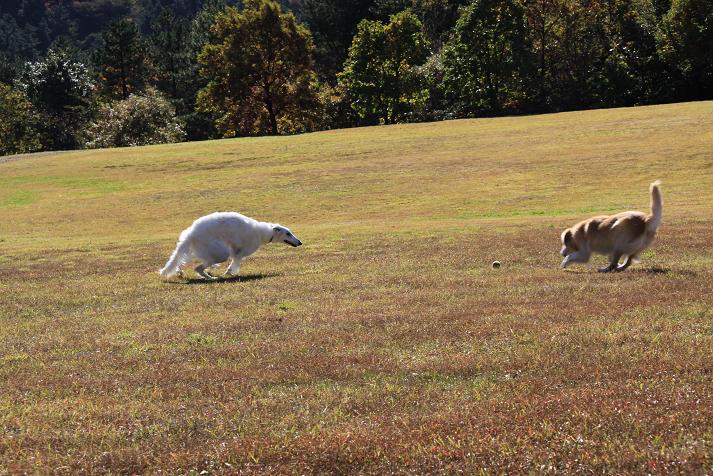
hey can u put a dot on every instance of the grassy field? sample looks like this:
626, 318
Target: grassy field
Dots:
385, 343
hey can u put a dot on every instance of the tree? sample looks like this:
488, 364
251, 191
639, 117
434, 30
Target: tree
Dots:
333, 24
487, 62
686, 43
632, 70
595, 54
122, 60
545, 19
16, 45
379, 73
572, 49
260, 73
201, 124
142, 119
437, 16
18, 123
171, 56
60, 88
383, 9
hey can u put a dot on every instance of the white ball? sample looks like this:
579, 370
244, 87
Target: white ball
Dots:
495, 265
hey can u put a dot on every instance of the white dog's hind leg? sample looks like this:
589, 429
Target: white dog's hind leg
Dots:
200, 269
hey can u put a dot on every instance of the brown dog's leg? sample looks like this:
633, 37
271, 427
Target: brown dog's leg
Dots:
626, 264
576, 257
613, 264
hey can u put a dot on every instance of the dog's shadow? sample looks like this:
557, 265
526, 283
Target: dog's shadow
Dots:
243, 278
639, 271
668, 271
653, 270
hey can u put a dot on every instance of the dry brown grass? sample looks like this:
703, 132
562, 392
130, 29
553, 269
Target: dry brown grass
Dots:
386, 343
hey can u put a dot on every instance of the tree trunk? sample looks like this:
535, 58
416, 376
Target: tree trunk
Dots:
271, 112
124, 79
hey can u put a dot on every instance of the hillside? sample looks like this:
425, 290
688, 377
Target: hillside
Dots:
386, 342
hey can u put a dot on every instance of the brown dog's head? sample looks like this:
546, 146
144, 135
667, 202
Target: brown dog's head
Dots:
568, 244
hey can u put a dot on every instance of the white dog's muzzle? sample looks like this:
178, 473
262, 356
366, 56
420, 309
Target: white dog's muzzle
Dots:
293, 241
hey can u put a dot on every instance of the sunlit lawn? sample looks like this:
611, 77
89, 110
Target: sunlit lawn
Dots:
386, 343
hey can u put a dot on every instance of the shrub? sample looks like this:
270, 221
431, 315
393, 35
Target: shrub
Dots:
18, 121
141, 119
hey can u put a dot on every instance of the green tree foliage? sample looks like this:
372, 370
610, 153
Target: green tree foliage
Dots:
201, 124
383, 9
43, 22
488, 61
150, 10
437, 106
172, 57
379, 75
260, 73
145, 118
122, 60
487, 57
95, 16
202, 23
60, 89
16, 44
593, 54
545, 20
18, 123
333, 24
661, 7
632, 70
437, 16
686, 43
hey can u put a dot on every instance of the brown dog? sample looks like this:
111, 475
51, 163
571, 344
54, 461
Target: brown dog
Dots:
625, 234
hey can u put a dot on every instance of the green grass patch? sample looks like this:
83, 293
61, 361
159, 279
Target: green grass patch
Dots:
18, 199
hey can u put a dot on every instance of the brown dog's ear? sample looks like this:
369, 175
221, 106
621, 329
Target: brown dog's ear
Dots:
567, 239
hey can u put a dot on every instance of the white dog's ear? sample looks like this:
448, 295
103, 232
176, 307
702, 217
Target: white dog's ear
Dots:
275, 228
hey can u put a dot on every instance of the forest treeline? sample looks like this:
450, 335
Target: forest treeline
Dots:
103, 73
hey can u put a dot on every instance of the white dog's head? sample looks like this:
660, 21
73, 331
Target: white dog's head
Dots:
281, 234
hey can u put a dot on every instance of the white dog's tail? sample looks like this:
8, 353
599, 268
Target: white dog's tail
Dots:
181, 255
654, 219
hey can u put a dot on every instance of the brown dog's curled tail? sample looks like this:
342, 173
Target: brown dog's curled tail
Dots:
654, 219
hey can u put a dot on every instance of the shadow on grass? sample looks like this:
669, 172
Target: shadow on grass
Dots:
652, 271
240, 279
669, 271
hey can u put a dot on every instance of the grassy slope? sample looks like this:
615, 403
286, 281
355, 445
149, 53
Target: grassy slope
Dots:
386, 342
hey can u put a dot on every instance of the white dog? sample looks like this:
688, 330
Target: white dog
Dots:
214, 238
